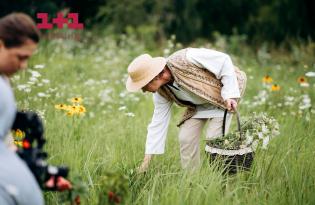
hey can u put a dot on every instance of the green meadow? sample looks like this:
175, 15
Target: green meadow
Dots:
105, 143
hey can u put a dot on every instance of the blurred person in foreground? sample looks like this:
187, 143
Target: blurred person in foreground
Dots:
204, 81
19, 37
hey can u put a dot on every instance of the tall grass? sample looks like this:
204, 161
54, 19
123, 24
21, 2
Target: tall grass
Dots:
107, 139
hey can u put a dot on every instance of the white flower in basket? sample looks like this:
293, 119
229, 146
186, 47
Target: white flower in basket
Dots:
256, 130
237, 147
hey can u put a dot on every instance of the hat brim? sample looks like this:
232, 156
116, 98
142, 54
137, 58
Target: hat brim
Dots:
158, 65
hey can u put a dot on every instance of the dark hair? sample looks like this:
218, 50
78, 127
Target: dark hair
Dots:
16, 28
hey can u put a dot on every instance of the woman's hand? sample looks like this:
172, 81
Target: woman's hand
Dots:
145, 164
231, 104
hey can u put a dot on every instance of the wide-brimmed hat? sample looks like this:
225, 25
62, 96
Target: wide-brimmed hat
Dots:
142, 70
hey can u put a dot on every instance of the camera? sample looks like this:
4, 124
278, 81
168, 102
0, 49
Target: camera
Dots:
31, 150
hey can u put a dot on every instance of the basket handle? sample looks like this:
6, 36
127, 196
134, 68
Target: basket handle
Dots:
238, 122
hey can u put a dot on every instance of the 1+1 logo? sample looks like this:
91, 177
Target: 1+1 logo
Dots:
60, 20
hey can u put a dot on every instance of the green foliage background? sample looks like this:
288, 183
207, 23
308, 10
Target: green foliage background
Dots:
271, 20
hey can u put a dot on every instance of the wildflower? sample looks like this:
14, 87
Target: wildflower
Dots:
76, 100
258, 130
264, 129
112, 197
122, 108
35, 74
265, 142
42, 95
19, 133
61, 107
90, 82
104, 81
39, 66
46, 81
32, 80
22, 87
18, 143
130, 114
301, 79
123, 94
105, 95
77, 200
289, 98
74, 109
305, 103
275, 87
306, 84
81, 109
91, 114
70, 113
52, 90
267, 79
166, 51
16, 77
261, 98
27, 90
310, 74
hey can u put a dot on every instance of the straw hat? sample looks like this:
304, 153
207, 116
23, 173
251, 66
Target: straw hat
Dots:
142, 70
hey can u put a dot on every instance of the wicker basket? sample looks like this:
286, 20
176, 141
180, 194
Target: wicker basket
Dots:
231, 160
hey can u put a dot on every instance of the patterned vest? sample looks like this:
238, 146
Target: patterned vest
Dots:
198, 81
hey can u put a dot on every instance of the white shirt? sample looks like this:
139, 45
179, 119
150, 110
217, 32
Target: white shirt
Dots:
7, 107
221, 66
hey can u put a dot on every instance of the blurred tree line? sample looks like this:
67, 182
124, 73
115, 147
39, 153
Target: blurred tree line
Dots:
268, 20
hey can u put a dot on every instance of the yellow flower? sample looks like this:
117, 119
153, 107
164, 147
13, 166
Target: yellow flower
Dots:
301, 79
81, 109
275, 87
61, 106
267, 79
75, 109
70, 113
18, 143
19, 133
76, 100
